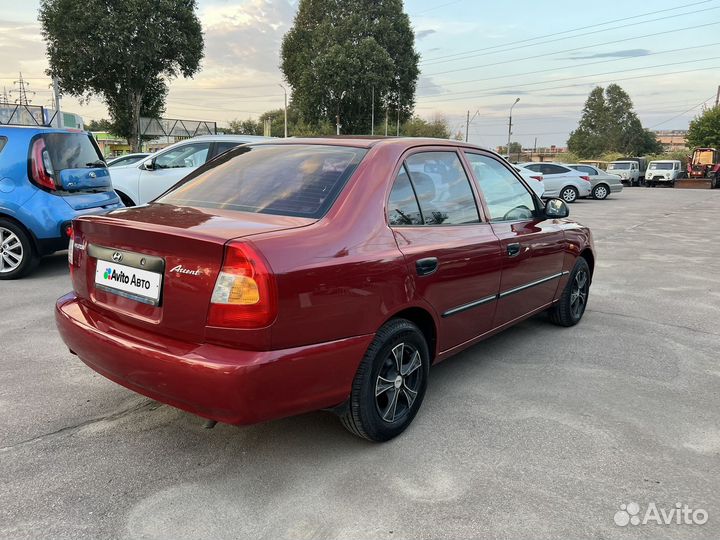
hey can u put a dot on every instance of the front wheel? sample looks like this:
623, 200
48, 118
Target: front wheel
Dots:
390, 383
571, 306
17, 257
569, 194
600, 192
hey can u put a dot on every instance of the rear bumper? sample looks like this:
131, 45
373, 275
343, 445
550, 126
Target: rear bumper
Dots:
220, 383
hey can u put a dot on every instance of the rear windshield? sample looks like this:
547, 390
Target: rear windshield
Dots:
619, 166
292, 180
71, 150
661, 166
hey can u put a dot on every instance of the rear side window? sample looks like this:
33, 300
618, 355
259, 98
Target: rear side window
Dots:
585, 169
291, 179
71, 150
442, 188
3, 141
553, 169
403, 207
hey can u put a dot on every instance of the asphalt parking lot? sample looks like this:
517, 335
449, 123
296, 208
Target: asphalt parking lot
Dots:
539, 432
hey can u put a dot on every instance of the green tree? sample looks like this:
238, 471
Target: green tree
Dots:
704, 130
99, 125
515, 148
244, 127
338, 54
122, 51
417, 127
609, 124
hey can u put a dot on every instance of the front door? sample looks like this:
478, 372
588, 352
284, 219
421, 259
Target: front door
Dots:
532, 247
454, 258
170, 167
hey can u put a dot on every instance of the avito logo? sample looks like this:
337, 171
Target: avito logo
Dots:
122, 277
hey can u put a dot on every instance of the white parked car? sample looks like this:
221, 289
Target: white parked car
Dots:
127, 159
534, 179
663, 171
561, 181
146, 180
602, 183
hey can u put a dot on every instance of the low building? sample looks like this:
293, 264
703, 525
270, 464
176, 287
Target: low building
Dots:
672, 140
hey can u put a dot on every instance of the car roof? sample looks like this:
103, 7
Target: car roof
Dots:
229, 137
39, 129
369, 141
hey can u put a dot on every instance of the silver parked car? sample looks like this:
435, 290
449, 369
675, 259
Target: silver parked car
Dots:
561, 181
602, 182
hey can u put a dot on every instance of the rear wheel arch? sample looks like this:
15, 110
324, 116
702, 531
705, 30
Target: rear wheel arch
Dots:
27, 231
421, 318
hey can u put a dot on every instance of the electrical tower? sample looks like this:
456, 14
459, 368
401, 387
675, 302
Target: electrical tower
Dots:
22, 91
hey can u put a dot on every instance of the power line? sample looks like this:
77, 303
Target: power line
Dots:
682, 113
570, 31
654, 34
514, 86
596, 82
525, 73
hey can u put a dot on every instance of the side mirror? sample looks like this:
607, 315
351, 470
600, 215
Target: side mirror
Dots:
149, 165
556, 208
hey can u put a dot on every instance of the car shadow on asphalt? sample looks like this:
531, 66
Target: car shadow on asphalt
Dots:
51, 266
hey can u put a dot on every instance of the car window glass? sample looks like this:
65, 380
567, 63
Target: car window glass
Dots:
506, 197
71, 150
187, 155
223, 146
533, 167
3, 140
402, 206
291, 180
443, 189
549, 168
587, 170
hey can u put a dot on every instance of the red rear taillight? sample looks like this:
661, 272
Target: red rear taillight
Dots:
41, 170
586, 178
538, 178
244, 295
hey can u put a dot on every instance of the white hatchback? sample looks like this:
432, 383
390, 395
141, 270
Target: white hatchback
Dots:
144, 181
561, 181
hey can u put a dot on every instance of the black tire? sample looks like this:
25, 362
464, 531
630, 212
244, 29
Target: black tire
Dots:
569, 194
370, 413
601, 191
127, 201
22, 257
571, 306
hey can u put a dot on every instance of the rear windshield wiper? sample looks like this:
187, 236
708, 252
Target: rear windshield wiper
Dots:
97, 163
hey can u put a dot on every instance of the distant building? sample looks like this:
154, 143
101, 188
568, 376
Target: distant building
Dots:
672, 140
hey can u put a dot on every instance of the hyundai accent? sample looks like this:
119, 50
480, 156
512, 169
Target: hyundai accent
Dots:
306, 274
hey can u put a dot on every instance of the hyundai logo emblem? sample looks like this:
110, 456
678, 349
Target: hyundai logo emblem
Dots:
92, 174
117, 256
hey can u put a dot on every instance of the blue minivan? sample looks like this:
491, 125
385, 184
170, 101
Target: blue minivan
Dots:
48, 177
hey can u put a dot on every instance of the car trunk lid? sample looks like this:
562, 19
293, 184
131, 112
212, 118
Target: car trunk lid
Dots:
178, 250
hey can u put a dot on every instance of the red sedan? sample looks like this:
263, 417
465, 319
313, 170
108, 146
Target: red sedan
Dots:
310, 274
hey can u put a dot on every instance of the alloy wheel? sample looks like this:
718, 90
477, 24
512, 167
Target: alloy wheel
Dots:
398, 382
11, 251
600, 192
569, 195
579, 294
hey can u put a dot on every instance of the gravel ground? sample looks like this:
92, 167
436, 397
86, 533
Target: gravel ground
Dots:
539, 432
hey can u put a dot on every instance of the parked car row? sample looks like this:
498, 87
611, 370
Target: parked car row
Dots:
573, 181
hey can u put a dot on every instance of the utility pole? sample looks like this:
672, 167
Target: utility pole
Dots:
285, 91
467, 126
397, 134
717, 97
535, 146
5, 96
58, 114
510, 127
372, 114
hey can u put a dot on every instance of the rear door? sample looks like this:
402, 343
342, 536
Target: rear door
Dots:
453, 256
169, 167
532, 247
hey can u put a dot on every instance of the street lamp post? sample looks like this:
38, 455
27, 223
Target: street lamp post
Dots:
510, 127
285, 92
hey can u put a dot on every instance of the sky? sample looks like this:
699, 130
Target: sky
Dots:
476, 56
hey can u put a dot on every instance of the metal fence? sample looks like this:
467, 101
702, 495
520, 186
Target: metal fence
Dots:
169, 127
